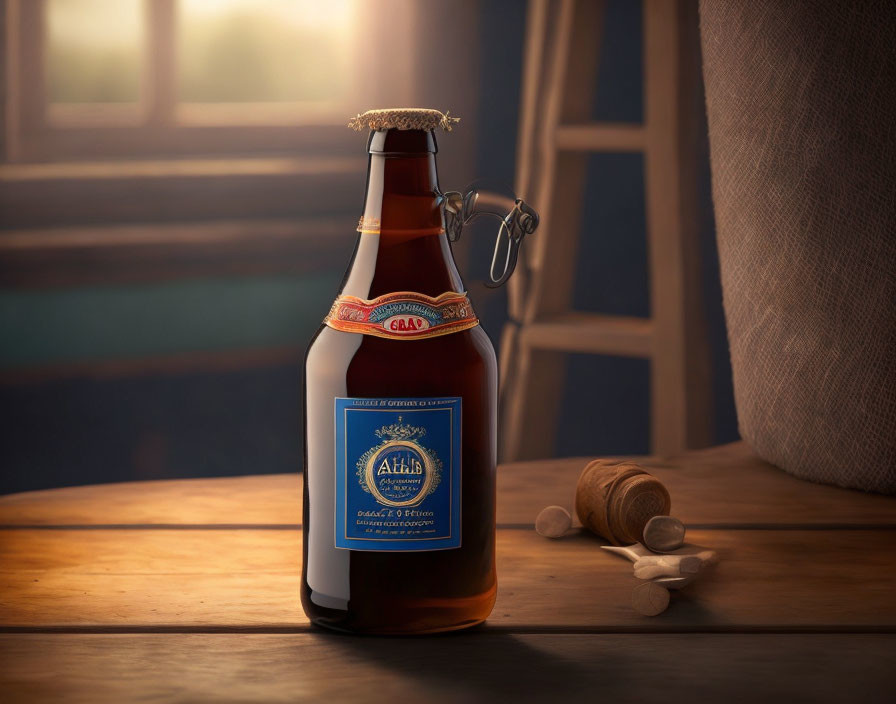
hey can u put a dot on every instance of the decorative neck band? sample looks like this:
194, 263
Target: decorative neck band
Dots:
403, 315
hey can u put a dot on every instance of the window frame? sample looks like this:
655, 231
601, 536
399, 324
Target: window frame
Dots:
281, 187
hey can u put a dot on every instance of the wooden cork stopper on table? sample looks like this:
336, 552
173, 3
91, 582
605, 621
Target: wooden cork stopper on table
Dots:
615, 499
650, 599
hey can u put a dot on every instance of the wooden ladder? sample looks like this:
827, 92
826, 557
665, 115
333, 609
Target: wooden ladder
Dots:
556, 136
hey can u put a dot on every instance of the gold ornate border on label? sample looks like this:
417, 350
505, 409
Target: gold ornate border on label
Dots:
429, 474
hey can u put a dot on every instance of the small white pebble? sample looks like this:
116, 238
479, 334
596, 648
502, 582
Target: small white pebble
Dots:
650, 599
553, 522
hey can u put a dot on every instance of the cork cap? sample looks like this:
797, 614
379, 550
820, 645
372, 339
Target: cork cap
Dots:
616, 499
402, 119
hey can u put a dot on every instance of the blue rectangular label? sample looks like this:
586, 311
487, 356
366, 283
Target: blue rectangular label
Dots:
398, 473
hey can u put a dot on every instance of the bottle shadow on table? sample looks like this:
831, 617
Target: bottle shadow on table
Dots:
475, 665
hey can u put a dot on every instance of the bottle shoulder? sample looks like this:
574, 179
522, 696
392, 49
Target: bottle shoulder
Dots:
331, 348
352, 365
417, 263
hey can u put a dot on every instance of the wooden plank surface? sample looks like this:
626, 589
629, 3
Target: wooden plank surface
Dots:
723, 486
194, 597
319, 667
767, 579
269, 499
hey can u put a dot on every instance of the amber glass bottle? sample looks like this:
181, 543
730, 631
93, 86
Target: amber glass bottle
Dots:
400, 408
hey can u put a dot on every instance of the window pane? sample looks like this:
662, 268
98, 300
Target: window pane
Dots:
94, 50
237, 51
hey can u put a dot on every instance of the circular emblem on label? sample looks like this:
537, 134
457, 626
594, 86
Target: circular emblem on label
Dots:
399, 473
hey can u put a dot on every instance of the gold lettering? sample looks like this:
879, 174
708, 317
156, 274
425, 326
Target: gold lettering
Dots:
401, 464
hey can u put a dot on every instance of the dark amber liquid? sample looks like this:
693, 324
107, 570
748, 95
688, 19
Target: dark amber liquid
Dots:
401, 592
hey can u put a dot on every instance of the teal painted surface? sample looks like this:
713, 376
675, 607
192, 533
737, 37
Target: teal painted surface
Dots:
39, 328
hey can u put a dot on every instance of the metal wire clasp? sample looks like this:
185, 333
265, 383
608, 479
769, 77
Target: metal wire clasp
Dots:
517, 219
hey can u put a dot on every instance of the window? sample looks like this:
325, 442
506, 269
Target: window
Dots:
132, 78
295, 58
92, 52
153, 139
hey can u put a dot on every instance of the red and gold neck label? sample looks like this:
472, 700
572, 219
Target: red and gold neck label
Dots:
403, 315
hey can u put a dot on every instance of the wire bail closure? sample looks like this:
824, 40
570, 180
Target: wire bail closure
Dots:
517, 219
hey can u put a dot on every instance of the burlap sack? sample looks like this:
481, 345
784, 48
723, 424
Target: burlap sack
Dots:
801, 101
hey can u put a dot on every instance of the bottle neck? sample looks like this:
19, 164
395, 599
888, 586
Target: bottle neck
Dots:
402, 199
402, 244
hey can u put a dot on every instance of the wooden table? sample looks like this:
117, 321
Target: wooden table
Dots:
188, 590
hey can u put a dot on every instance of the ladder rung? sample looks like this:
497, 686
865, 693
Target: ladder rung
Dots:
591, 333
600, 136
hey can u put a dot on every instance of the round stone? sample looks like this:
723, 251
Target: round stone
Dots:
663, 534
553, 522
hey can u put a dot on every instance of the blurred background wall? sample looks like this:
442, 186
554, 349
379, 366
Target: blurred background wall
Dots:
178, 198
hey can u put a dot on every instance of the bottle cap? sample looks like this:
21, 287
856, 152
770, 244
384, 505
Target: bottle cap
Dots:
402, 119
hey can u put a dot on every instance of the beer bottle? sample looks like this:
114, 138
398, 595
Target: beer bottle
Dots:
401, 408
